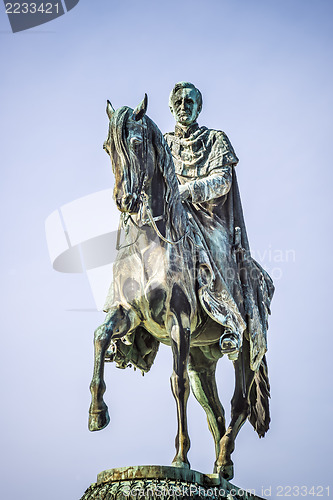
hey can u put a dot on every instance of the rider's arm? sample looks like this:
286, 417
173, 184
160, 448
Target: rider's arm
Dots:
216, 184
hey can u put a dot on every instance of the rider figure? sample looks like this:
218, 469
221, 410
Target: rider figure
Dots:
204, 162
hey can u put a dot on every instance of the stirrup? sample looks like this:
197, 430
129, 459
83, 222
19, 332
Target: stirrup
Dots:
230, 344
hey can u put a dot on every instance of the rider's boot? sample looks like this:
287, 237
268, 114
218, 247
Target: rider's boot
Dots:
230, 344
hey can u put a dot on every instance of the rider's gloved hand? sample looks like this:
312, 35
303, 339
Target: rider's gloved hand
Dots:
184, 192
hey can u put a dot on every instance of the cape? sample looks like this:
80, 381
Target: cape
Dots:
234, 289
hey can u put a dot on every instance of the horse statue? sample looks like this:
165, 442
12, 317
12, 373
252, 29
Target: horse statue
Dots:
155, 295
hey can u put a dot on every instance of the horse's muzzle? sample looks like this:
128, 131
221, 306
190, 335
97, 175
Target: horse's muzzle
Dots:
129, 203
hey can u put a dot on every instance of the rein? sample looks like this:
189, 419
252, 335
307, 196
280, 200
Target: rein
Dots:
153, 223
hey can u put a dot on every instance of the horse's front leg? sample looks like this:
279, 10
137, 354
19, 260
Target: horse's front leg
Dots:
117, 323
180, 385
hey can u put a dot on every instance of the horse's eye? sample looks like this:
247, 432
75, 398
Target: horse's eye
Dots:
135, 141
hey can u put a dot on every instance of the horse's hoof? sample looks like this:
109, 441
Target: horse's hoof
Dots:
225, 471
98, 419
179, 463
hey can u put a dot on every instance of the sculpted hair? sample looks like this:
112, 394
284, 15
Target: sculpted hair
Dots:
115, 144
185, 85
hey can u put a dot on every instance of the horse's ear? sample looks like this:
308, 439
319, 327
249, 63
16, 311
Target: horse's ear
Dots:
109, 109
141, 109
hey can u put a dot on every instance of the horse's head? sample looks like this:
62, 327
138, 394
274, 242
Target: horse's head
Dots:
127, 147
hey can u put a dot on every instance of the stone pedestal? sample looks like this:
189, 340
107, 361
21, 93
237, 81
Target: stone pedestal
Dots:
150, 482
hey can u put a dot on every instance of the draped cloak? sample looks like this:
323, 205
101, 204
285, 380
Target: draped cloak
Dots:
233, 288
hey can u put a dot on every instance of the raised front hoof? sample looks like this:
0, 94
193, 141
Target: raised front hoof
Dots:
177, 462
225, 471
98, 420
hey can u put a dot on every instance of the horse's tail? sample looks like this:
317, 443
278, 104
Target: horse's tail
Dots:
259, 400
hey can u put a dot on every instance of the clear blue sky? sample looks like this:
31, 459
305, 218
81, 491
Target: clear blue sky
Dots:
265, 70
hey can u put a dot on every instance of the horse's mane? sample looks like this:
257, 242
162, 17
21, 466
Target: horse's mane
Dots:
176, 214
116, 137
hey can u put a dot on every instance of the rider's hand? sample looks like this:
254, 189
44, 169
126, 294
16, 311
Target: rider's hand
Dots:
184, 192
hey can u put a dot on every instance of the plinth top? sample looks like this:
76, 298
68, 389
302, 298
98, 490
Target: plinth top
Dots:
178, 475
158, 472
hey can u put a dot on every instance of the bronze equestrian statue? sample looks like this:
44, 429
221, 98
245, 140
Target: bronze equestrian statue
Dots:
184, 275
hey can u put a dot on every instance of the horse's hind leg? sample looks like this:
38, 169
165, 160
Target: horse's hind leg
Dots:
240, 408
117, 323
179, 327
201, 370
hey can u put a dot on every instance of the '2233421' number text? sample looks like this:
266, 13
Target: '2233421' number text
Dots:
32, 8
